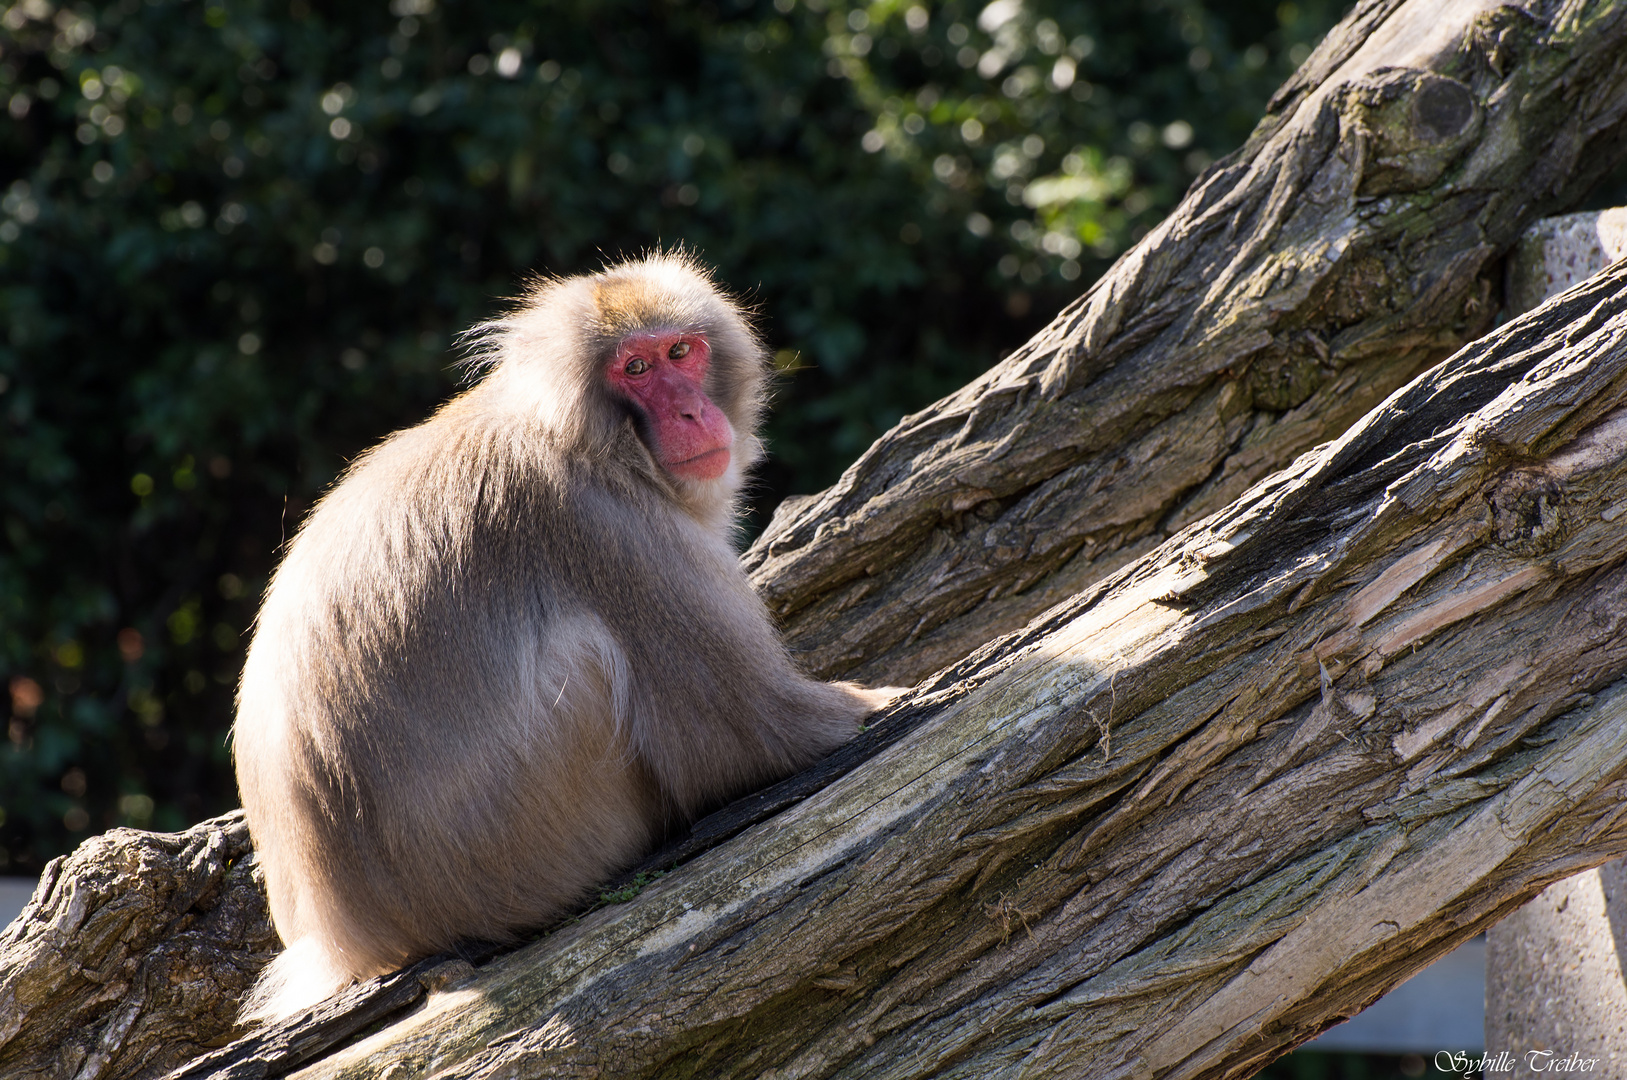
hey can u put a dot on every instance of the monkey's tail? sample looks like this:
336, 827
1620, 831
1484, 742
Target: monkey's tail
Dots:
306, 973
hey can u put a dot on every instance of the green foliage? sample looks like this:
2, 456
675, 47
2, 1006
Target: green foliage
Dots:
237, 241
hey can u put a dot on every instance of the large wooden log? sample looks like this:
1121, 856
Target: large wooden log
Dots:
1355, 240
1189, 818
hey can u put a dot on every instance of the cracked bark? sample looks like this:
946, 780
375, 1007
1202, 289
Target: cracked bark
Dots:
1355, 240
133, 954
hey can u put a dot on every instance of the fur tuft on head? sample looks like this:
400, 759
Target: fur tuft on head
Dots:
547, 355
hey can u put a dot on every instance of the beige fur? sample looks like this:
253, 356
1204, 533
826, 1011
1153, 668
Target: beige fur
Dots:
508, 651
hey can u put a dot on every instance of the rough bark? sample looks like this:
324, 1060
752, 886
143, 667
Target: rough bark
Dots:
1187, 819
133, 954
1352, 242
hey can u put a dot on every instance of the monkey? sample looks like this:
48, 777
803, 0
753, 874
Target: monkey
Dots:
512, 647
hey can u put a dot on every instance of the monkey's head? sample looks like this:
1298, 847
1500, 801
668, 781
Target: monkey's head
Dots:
647, 352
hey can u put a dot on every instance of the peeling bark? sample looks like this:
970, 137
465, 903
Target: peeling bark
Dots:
1353, 241
133, 954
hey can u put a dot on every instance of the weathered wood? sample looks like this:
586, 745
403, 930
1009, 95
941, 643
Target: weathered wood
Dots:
1187, 819
1352, 242
133, 954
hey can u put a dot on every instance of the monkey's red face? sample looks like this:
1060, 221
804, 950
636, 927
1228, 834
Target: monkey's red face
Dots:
662, 374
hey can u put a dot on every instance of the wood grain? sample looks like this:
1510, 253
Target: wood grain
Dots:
1354, 241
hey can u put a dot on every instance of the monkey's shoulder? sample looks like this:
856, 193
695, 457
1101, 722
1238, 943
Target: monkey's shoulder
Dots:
469, 485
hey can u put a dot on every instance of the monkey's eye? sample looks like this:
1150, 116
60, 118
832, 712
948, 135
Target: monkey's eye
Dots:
635, 366
678, 351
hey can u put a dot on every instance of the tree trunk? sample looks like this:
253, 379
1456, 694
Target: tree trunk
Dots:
1354, 241
1228, 793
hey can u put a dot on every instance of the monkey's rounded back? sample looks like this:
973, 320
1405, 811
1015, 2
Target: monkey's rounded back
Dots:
447, 702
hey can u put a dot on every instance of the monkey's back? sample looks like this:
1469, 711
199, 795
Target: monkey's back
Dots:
411, 770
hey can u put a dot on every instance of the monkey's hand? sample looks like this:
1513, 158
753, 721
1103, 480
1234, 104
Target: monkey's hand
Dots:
878, 697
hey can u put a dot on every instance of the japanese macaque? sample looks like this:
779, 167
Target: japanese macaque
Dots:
513, 648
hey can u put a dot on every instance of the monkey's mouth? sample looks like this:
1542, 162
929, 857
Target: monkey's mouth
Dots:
708, 466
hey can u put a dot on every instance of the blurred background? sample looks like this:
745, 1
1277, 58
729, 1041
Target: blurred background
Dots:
238, 242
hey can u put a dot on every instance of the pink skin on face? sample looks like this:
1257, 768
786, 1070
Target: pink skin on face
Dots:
663, 373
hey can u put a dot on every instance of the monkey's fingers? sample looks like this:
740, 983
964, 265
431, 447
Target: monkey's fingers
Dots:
879, 697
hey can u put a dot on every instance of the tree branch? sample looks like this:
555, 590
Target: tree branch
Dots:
1354, 241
